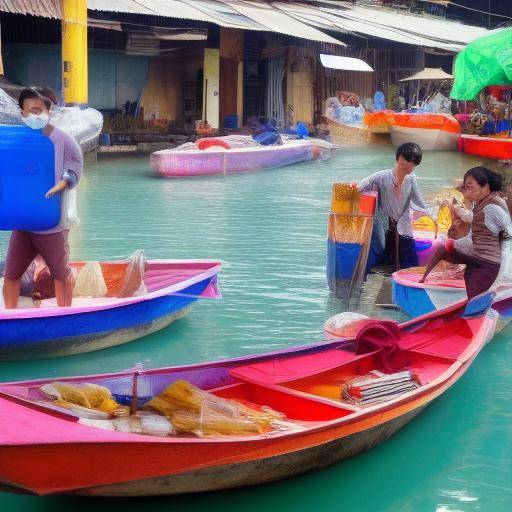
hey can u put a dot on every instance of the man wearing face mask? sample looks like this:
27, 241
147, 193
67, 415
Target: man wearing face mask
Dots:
52, 245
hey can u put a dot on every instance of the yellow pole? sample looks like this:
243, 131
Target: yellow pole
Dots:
74, 51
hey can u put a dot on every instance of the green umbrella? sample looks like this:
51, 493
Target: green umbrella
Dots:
485, 61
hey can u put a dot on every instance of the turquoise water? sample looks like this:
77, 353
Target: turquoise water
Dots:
270, 228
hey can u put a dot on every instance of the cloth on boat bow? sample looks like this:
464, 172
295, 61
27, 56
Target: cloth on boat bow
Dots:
384, 336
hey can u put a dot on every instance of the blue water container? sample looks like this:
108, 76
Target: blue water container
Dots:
27, 172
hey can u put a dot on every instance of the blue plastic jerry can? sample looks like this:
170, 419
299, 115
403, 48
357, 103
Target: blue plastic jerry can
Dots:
27, 172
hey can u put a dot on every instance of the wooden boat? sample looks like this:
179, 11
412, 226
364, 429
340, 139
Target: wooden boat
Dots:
494, 148
441, 289
438, 132
48, 449
97, 323
225, 157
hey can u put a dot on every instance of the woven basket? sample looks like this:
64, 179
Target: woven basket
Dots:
346, 135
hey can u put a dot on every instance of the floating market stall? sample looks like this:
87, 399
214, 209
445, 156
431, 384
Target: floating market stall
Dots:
483, 69
431, 126
235, 422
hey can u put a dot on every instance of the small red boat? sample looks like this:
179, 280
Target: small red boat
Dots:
321, 392
494, 148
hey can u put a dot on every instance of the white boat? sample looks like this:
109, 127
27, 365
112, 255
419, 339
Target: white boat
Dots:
438, 132
234, 154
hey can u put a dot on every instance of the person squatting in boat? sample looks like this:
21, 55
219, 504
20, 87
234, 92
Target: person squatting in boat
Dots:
491, 226
392, 237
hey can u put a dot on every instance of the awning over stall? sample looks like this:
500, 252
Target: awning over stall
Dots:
345, 63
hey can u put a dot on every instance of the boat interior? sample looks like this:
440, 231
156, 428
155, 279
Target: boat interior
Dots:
306, 385
156, 275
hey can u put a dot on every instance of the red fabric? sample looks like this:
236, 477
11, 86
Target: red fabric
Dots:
210, 143
383, 336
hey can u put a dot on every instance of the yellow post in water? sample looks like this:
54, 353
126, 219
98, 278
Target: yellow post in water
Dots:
74, 51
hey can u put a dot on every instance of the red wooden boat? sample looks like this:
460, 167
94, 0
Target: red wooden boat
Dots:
494, 148
47, 449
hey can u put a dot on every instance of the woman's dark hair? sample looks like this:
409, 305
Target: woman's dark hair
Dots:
45, 94
410, 151
484, 176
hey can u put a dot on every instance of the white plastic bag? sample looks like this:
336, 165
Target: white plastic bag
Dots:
133, 282
90, 281
69, 212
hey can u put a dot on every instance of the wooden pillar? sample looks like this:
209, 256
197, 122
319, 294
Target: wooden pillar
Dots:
231, 73
211, 87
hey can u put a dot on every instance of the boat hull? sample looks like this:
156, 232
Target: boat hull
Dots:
417, 301
429, 139
257, 472
179, 164
486, 147
29, 338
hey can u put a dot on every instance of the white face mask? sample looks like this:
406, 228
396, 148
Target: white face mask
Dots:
36, 122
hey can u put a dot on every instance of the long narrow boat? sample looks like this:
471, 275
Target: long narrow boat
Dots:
440, 290
97, 323
48, 449
221, 155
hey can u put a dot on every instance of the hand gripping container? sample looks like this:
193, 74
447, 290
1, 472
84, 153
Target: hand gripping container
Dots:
27, 172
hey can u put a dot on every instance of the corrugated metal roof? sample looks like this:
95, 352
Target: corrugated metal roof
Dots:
44, 8
401, 28
294, 19
276, 20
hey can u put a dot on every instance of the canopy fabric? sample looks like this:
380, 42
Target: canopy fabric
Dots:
346, 63
429, 74
486, 61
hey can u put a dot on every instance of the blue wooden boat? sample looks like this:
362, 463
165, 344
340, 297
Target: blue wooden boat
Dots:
97, 323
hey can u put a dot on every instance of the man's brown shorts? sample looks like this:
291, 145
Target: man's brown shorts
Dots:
25, 246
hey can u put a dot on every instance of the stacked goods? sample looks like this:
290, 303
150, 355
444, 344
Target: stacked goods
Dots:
86, 395
194, 411
348, 238
378, 387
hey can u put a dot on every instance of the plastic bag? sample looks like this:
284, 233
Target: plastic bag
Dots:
85, 394
192, 410
69, 212
346, 324
142, 423
133, 281
90, 281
